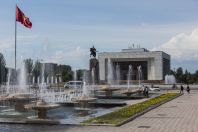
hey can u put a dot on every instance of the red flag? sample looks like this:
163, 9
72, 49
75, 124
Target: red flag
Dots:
20, 17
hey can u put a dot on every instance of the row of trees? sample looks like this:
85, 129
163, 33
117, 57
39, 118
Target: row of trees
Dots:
185, 76
65, 71
36, 68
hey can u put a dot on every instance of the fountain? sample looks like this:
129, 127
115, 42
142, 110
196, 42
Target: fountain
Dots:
92, 80
110, 73
47, 80
129, 76
75, 78
22, 95
56, 80
8, 82
33, 80
22, 79
129, 90
108, 89
48, 104
60, 79
52, 79
139, 75
93, 76
43, 79
42, 107
170, 79
20, 100
38, 80
118, 74
84, 99
42, 85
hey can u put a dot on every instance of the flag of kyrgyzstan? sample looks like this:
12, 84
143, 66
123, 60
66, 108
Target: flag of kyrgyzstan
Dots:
20, 17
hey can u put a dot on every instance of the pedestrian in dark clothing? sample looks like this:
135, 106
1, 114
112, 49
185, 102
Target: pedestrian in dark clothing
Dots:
147, 91
181, 89
188, 89
144, 91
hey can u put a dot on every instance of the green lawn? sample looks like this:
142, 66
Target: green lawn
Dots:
125, 113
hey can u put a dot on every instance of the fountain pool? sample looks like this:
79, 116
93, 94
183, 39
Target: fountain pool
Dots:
42, 103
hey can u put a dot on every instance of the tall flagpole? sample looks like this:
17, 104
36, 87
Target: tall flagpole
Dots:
15, 46
15, 40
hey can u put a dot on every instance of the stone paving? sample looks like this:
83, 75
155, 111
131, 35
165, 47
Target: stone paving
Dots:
178, 115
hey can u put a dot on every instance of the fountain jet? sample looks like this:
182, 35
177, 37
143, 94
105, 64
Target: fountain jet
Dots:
110, 72
129, 76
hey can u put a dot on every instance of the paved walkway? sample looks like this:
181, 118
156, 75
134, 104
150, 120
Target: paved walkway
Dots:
178, 115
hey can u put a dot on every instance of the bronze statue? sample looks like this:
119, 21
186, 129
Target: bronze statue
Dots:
93, 52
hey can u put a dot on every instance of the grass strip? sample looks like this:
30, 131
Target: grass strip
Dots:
125, 113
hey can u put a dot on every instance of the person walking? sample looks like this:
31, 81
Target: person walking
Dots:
147, 91
181, 89
188, 89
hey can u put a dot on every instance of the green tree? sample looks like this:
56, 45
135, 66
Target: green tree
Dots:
28, 65
187, 77
36, 69
196, 76
179, 74
65, 71
2, 69
80, 74
29, 68
172, 72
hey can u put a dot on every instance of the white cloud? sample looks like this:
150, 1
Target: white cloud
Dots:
183, 46
6, 43
76, 57
27, 38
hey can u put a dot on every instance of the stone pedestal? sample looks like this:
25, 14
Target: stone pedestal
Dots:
42, 109
20, 106
109, 92
94, 64
42, 113
20, 103
83, 102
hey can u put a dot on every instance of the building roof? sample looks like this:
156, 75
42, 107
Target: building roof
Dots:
135, 50
134, 53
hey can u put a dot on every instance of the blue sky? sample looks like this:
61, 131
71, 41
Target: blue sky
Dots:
64, 30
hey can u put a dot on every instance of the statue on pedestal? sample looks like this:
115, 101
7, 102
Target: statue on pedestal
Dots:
93, 52
93, 64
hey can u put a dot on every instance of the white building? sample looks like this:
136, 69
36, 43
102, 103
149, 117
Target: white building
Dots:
155, 64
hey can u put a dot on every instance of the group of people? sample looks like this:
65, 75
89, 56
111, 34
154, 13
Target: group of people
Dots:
182, 89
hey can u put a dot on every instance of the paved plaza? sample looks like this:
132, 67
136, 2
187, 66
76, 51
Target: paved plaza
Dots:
178, 115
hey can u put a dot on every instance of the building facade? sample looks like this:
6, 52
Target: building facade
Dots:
154, 64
